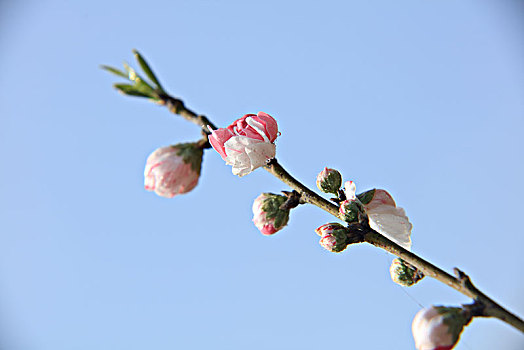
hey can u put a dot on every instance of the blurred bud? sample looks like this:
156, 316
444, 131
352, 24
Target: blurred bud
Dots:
334, 237
173, 170
267, 215
404, 273
439, 327
329, 180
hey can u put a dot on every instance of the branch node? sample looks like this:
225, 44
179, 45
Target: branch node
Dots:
461, 276
292, 201
271, 161
356, 233
464, 279
475, 309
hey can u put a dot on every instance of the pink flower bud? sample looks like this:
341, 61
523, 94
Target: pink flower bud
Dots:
334, 237
329, 228
247, 143
173, 170
267, 215
438, 327
386, 218
329, 180
351, 209
333, 243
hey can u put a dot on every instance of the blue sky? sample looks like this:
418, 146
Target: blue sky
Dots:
423, 98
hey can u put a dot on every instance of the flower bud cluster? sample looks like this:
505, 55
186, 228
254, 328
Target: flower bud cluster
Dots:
334, 237
439, 327
268, 217
376, 206
404, 274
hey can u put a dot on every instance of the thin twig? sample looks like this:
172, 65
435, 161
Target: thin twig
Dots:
176, 106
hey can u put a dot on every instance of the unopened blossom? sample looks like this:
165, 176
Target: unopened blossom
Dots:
173, 170
329, 228
386, 218
329, 180
351, 208
334, 237
247, 143
334, 242
438, 327
267, 215
404, 274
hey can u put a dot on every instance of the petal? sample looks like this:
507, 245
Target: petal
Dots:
350, 189
381, 197
241, 127
260, 152
258, 127
270, 123
236, 155
392, 224
218, 138
246, 154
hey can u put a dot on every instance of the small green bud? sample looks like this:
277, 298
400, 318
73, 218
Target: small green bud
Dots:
351, 210
404, 274
267, 215
329, 181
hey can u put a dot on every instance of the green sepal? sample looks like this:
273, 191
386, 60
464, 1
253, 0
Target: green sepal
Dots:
341, 239
147, 70
366, 197
351, 211
331, 183
271, 206
455, 319
281, 218
191, 154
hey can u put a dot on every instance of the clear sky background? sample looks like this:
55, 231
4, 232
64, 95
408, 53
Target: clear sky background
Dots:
423, 98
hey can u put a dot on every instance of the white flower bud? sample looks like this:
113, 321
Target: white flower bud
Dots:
438, 327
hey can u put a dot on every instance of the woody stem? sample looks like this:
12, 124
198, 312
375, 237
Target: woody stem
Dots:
487, 306
460, 283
